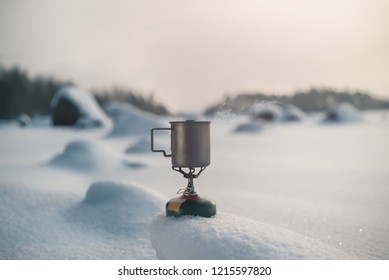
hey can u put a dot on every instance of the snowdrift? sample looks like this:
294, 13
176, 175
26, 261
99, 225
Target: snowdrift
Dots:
261, 114
110, 222
269, 112
288, 183
226, 236
342, 113
31, 224
130, 121
88, 155
117, 208
292, 113
272, 112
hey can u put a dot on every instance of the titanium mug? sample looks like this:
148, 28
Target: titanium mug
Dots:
190, 143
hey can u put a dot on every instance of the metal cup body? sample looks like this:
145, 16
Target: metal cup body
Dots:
190, 143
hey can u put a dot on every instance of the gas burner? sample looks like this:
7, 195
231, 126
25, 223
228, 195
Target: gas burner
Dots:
190, 149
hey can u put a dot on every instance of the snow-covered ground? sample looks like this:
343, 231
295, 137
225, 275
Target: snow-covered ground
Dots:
309, 190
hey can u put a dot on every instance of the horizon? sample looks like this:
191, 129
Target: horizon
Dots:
190, 55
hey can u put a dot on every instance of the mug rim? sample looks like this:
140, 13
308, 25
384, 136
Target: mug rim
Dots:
190, 121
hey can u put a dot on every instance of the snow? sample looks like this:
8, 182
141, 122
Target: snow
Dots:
293, 191
130, 121
251, 126
109, 223
276, 112
292, 113
23, 120
269, 111
342, 113
87, 155
227, 236
118, 208
91, 114
141, 146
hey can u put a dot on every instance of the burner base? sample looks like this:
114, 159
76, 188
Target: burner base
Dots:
192, 205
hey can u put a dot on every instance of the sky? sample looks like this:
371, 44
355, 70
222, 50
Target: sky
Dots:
190, 54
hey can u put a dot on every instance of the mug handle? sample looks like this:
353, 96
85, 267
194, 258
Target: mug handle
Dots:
152, 141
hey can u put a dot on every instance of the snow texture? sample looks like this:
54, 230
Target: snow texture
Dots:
111, 222
227, 236
301, 191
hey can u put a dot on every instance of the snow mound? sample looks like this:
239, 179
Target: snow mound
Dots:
130, 121
248, 127
29, 224
140, 147
88, 155
292, 113
73, 106
272, 112
226, 236
23, 120
111, 222
117, 208
342, 113
268, 112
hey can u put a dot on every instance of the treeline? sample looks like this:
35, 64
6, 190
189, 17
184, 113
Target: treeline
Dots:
22, 94
321, 99
312, 100
146, 103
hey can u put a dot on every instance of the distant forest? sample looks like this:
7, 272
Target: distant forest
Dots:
312, 100
22, 94
145, 103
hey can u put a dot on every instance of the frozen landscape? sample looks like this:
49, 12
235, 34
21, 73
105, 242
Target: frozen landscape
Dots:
313, 189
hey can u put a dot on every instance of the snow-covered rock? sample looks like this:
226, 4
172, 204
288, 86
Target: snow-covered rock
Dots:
342, 113
226, 236
130, 121
75, 107
23, 120
269, 112
272, 112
